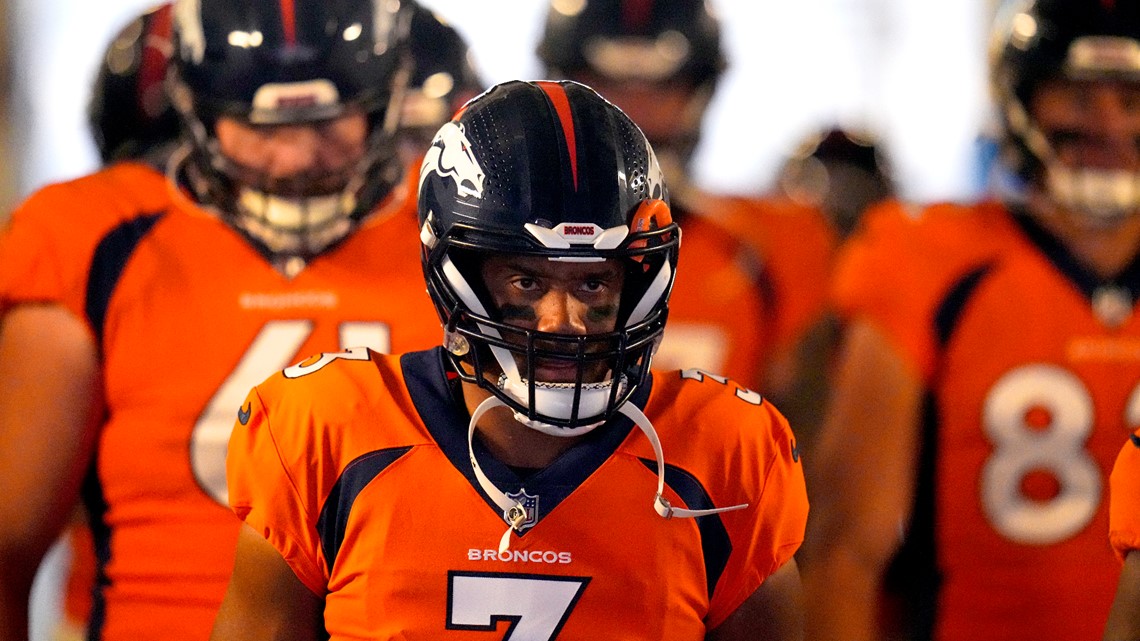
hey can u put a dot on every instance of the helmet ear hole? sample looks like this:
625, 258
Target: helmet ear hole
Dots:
651, 214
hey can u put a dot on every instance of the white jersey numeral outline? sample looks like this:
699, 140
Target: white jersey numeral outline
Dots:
273, 349
1057, 448
537, 606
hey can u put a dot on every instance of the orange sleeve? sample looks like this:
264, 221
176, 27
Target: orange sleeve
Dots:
772, 527
742, 450
40, 262
1124, 499
266, 483
48, 244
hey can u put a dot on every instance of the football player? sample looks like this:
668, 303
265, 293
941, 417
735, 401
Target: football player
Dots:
139, 305
660, 62
130, 118
532, 478
989, 374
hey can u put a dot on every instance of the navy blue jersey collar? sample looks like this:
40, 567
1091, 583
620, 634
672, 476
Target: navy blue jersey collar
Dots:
440, 405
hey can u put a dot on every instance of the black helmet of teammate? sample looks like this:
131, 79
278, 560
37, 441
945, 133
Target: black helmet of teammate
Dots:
672, 46
129, 114
443, 78
1035, 41
655, 41
267, 62
839, 171
546, 169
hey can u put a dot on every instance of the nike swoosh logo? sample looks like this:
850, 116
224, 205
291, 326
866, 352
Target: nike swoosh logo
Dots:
795, 451
244, 412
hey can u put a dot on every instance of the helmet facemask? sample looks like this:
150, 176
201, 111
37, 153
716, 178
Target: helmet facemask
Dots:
1102, 196
306, 213
502, 358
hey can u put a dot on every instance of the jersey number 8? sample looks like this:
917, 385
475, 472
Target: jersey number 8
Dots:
1039, 418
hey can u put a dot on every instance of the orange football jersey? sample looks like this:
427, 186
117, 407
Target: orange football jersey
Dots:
188, 316
355, 467
796, 245
720, 316
1124, 490
1033, 370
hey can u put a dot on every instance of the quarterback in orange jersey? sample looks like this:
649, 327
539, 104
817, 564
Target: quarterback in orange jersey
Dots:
531, 479
139, 307
723, 315
991, 365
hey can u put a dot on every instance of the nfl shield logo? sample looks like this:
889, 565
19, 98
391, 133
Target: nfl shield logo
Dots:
529, 503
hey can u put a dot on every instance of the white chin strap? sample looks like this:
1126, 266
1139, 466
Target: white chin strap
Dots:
557, 400
515, 513
1106, 196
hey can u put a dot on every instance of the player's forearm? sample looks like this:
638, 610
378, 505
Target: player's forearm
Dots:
841, 597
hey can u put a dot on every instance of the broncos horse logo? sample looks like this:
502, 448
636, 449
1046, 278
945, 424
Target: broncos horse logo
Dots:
450, 155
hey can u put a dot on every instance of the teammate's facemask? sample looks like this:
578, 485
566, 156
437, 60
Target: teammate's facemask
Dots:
251, 62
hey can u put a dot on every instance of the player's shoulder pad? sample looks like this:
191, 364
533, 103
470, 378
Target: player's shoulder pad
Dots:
697, 396
716, 415
114, 193
330, 375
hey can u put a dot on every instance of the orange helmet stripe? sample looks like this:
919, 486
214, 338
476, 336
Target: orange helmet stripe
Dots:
289, 21
557, 95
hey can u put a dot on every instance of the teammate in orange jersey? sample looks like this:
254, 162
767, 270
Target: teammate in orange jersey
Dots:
989, 374
130, 118
659, 62
1124, 535
139, 309
534, 479
823, 189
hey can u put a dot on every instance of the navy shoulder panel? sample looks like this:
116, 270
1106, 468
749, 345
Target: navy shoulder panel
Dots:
357, 475
108, 263
715, 544
950, 309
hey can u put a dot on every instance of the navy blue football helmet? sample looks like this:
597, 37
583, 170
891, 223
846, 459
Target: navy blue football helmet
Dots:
443, 78
129, 114
546, 169
636, 46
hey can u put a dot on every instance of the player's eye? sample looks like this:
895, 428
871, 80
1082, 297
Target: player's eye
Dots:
525, 283
594, 286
